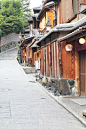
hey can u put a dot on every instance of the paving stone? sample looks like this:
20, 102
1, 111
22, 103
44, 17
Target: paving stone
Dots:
27, 105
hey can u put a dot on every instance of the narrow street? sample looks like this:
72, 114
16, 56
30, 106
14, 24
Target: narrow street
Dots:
25, 105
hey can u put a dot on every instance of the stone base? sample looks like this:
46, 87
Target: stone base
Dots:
59, 86
44, 81
84, 113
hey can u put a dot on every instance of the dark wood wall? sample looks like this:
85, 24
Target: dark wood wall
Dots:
54, 59
82, 55
42, 61
68, 62
66, 11
49, 62
83, 1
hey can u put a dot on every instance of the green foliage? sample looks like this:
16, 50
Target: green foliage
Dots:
0, 32
11, 17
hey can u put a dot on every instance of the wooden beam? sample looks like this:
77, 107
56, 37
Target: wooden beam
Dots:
77, 77
55, 58
76, 36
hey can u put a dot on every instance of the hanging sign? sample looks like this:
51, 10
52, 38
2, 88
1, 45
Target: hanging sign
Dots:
68, 47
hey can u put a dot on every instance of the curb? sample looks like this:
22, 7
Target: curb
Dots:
21, 68
63, 105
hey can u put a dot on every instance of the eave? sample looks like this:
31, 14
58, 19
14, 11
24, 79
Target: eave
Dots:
26, 41
64, 27
74, 35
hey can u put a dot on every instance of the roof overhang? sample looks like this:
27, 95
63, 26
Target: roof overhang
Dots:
59, 28
26, 41
74, 35
66, 27
51, 3
35, 45
83, 11
46, 1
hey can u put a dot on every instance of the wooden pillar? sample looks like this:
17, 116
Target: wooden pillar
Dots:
52, 60
46, 62
49, 61
24, 54
77, 77
24, 57
50, 51
55, 58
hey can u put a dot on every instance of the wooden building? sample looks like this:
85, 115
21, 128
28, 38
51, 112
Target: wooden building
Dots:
75, 60
60, 54
30, 52
56, 62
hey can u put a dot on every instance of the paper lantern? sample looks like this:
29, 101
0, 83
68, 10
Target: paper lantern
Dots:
81, 40
68, 47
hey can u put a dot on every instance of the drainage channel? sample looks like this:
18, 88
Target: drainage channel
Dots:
32, 81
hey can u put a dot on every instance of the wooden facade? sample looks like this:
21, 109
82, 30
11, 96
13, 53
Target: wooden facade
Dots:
55, 60
82, 64
68, 61
49, 60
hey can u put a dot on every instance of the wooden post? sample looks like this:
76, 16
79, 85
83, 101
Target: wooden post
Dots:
49, 61
58, 56
24, 58
52, 60
77, 79
55, 58
46, 61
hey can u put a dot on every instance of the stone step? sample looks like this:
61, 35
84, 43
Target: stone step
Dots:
29, 70
11, 54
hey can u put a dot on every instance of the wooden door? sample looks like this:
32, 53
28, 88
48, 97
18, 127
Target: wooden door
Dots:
82, 55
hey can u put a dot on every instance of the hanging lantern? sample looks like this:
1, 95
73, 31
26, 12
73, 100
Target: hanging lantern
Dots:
81, 40
48, 26
68, 47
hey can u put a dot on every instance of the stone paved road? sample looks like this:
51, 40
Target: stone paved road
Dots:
25, 105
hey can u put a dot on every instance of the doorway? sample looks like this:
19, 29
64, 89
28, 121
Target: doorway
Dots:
82, 57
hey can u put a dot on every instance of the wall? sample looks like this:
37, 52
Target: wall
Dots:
9, 41
68, 61
42, 23
42, 61
65, 12
49, 60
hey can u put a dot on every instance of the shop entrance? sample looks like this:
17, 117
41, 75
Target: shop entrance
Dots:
82, 63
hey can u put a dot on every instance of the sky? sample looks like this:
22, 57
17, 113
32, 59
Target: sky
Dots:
35, 3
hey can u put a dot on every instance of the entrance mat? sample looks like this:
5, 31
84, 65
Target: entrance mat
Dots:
80, 101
